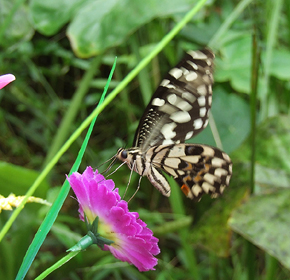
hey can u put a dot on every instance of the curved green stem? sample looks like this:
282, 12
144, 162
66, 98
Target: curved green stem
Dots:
58, 264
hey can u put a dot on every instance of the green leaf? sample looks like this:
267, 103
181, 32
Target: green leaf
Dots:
212, 231
16, 179
280, 66
50, 16
272, 149
265, 221
14, 23
270, 179
103, 24
234, 65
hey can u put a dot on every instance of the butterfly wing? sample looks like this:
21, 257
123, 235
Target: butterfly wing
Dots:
197, 168
179, 108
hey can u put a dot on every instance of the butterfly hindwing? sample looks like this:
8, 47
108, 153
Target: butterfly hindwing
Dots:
197, 168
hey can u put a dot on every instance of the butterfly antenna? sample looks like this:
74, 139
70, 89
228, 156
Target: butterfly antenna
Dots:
115, 169
136, 190
113, 158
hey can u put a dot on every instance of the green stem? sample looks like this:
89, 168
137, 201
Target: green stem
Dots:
143, 76
271, 267
71, 113
276, 7
57, 265
227, 23
53, 212
253, 103
250, 260
250, 248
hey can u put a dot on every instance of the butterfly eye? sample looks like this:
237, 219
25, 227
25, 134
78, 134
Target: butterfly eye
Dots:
124, 154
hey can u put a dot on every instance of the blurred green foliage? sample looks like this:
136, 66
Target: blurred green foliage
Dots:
50, 45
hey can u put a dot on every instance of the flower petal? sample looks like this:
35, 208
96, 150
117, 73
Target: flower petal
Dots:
133, 241
6, 79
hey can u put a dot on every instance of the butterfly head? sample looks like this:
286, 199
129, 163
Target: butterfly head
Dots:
128, 155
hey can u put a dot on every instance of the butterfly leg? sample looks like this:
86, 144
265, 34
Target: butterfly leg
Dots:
139, 182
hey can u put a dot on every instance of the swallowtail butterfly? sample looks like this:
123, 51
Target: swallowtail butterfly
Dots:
179, 110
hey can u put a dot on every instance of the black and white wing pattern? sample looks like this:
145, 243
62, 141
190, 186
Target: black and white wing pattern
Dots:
179, 110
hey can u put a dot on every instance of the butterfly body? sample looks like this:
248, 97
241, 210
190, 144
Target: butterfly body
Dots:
179, 110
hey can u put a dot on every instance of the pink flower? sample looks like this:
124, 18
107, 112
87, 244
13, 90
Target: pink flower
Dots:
97, 197
6, 79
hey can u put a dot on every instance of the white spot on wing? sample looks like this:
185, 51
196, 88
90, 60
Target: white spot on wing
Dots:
220, 172
191, 76
198, 123
208, 151
201, 101
202, 111
191, 159
207, 187
208, 62
180, 117
167, 142
184, 70
210, 178
205, 124
164, 82
188, 96
207, 78
228, 179
172, 162
210, 100
190, 195
201, 90
197, 55
183, 105
167, 109
175, 100
172, 99
170, 171
217, 162
192, 64
167, 131
188, 135
196, 189
176, 73
226, 157
177, 151
158, 102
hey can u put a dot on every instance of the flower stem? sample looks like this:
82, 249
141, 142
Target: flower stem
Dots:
84, 243
58, 264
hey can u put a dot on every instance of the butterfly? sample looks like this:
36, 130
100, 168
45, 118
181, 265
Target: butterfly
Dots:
178, 110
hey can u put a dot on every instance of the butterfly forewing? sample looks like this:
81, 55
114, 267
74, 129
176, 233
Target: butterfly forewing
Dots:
178, 110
